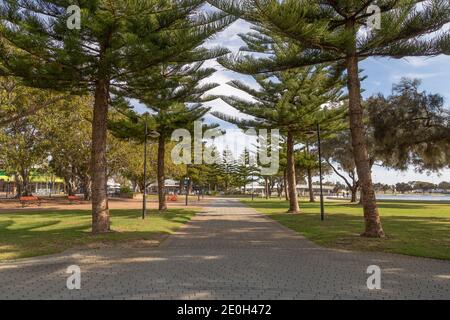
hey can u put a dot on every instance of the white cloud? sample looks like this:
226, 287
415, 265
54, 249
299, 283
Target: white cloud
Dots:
220, 106
229, 38
418, 61
415, 75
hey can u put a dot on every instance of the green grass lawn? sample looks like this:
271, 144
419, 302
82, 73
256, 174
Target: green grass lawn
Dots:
412, 228
35, 233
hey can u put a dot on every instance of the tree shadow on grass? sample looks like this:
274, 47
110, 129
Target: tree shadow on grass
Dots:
37, 238
283, 205
437, 201
381, 205
27, 235
136, 213
411, 235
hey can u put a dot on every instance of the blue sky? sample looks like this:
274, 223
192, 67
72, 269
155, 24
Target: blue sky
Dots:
381, 74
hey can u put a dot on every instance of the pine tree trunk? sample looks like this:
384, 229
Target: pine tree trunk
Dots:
18, 185
293, 201
161, 173
87, 188
354, 192
266, 186
271, 186
70, 188
100, 210
310, 187
285, 185
373, 226
26, 189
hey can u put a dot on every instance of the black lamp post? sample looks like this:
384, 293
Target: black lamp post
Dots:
186, 182
144, 192
253, 187
322, 208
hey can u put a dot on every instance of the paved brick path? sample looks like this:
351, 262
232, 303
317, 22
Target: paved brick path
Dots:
231, 252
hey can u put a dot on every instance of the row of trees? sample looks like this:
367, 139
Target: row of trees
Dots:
151, 50
227, 174
235, 175
417, 186
58, 139
336, 32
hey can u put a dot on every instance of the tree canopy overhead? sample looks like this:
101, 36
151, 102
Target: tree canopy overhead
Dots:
328, 30
117, 39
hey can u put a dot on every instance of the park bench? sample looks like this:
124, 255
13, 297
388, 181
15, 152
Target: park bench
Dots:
172, 197
73, 199
29, 200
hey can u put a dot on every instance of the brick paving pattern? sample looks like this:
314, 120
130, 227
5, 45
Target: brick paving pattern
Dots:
226, 252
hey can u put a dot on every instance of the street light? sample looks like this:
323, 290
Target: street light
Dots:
253, 188
186, 183
322, 209
151, 134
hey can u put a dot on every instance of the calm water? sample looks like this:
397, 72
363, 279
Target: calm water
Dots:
414, 197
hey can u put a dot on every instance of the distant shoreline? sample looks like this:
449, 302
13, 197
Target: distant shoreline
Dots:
433, 194
406, 197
